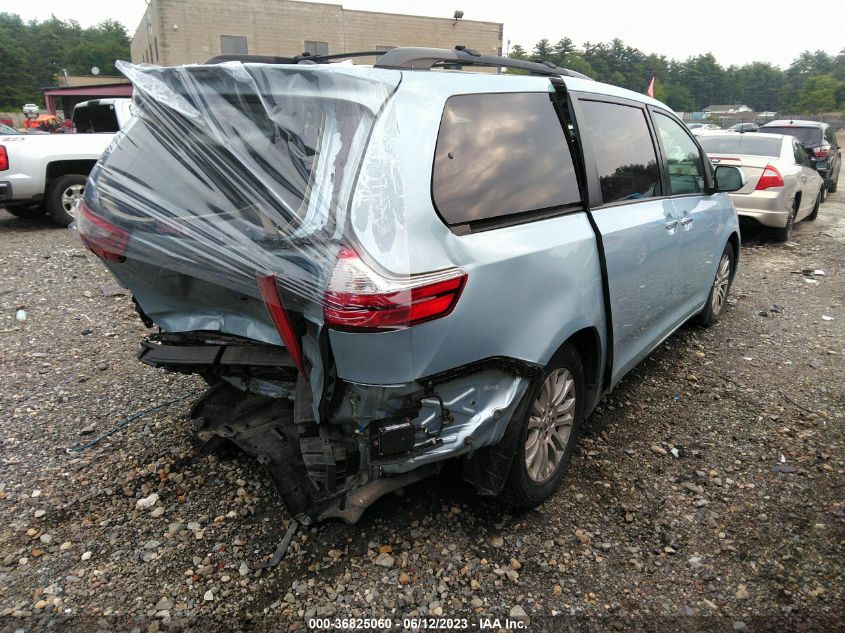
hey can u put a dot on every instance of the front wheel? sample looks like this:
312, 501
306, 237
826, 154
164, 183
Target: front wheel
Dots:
718, 298
548, 432
63, 196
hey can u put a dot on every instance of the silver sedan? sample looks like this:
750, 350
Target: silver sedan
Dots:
783, 186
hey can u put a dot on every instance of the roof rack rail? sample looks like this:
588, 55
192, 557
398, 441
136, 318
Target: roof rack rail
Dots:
419, 58
251, 59
325, 59
426, 58
297, 59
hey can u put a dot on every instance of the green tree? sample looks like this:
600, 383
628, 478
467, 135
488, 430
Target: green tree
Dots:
17, 79
679, 98
517, 52
819, 94
659, 90
563, 49
100, 46
705, 80
580, 65
33, 53
542, 51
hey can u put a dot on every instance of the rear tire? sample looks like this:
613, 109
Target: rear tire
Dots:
815, 212
62, 197
548, 431
26, 211
783, 235
718, 297
835, 184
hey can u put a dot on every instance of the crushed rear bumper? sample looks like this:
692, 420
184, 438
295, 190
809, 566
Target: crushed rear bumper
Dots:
337, 466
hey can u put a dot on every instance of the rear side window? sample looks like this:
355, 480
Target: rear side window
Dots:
625, 157
499, 155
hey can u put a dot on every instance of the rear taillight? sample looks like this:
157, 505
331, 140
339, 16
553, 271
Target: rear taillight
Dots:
4, 158
822, 152
102, 238
771, 178
268, 285
360, 298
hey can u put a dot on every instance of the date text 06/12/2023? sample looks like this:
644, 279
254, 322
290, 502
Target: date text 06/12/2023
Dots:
351, 624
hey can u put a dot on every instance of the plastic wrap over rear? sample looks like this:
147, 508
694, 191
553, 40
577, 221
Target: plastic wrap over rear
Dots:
231, 172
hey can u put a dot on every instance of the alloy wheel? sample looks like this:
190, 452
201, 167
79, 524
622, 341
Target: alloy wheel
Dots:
71, 196
550, 425
720, 284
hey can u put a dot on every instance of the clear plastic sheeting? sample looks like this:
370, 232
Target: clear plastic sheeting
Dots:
234, 172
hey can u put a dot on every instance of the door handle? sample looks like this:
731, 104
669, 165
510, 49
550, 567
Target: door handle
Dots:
686, 221
672, 224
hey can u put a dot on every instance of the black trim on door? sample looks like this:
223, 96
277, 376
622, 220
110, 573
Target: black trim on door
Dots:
593, 198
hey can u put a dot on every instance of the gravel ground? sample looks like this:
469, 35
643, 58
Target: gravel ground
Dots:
707, 494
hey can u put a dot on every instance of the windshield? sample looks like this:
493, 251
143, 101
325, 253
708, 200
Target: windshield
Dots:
806, 135
750, 145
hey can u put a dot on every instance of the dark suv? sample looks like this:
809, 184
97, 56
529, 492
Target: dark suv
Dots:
820, 140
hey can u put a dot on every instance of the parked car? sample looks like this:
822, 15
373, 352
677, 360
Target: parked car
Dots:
48, 172
782, 185
706, 127
820, 139
381, 268
744, 127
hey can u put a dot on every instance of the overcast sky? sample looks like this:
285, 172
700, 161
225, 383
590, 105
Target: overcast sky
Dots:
735, 32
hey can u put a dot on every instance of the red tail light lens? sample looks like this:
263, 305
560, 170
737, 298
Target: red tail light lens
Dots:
360, 298
268, 285
771, 178
822, 152
4, 158
102, 238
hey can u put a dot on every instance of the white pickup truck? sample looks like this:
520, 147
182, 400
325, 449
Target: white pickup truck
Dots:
48, 172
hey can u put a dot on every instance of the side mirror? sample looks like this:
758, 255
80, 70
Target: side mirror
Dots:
729, 178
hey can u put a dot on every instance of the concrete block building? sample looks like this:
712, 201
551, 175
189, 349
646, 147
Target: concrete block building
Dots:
192, 31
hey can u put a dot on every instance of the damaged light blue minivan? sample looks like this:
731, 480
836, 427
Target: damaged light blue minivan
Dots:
379, 268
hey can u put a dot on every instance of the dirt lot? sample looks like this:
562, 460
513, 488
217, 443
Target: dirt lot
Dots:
708, 494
